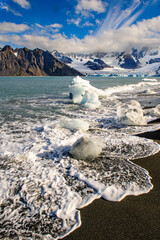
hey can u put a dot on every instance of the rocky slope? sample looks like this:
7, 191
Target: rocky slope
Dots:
25, 62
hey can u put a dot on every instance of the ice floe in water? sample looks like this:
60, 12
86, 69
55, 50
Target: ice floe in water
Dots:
82, 92
43, 187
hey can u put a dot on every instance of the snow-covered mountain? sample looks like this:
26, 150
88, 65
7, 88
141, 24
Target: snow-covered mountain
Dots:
144, 62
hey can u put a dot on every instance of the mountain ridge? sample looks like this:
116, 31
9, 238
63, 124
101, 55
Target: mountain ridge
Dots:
135, 62
25, 62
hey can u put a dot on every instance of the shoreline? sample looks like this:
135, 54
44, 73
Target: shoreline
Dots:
133, 218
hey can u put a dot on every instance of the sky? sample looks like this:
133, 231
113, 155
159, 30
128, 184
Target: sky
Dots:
80, 25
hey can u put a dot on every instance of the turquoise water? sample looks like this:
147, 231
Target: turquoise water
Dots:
32, 86
16, 87
42, 186
25, 97
31, 97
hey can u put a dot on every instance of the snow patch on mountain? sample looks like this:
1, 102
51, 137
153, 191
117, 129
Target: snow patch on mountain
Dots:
135, 62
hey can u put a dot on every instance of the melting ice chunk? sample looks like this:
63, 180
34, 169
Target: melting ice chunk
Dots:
74, 124
156, 111
82, 92
87, 148
131, 114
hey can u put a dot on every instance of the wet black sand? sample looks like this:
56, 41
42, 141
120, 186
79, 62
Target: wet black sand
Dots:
134, 218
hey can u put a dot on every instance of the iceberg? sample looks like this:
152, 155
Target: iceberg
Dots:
131, 114
81, 92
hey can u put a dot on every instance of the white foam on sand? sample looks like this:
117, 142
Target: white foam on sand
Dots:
43, 186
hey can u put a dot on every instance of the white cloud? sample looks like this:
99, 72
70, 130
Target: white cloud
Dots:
55, 30
98, 22
90, 5
88, 24
8, 9
39, 25
74, 21
144, 33
118, 17
129, 21
56, 25
23, 3
79, 23
47, 30
9, 27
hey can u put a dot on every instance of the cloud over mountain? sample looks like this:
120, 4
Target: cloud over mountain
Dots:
81, 25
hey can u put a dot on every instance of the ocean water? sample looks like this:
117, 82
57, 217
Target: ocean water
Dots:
42, 187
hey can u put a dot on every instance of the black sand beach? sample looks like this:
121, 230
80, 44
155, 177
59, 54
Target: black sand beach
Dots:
134, 218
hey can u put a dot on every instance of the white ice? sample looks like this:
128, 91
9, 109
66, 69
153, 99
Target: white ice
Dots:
131, 114
87, 148
84, 93
156, 111
74, 124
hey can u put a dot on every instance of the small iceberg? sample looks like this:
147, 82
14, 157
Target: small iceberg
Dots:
82, 92
131, 114
87, 148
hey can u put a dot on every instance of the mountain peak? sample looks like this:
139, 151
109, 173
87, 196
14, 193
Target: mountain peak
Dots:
26, 62
6, 48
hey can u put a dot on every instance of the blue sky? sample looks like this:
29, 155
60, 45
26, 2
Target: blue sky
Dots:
80, 25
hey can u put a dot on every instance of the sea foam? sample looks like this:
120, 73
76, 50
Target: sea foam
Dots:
43, 187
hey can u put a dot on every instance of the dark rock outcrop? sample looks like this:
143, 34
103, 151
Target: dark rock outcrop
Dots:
66, 60
62, 57
25, 62
98, 64
158, 72
154, 60
101, 63
129, 62
93, 66
137, 54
